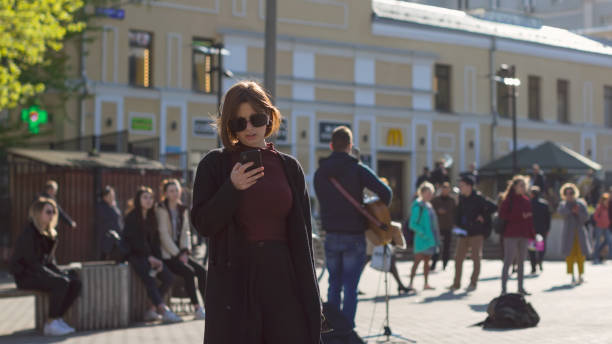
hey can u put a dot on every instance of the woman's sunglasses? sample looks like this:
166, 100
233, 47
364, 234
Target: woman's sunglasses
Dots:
257, 120
50, 212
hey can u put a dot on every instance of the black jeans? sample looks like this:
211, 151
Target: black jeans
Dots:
142, 268
276, 315
63, 288
446, 246
189, 272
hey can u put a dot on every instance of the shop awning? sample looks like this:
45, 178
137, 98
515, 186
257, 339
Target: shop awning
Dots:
549, 155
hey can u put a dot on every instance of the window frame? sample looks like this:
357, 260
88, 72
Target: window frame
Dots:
563, 117
438, 96
534, 89
150, 69
193, 69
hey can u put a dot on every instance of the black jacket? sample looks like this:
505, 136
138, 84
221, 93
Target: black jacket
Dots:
468, 210
337, 214
142, 241
33, 253
107, 218
541, 215
62, 214
213, 215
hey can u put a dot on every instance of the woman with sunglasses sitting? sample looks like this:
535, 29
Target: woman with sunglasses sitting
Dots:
142, 236
33, 265
261, 284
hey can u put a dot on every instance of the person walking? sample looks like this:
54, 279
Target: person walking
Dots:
50, 191
445, 207
175, 236
473, 217
424, 224
602, 227
261, 285
108, 219
344, 225
142, 236
425, 177
517, 213
575, 243
541, 224
33, 265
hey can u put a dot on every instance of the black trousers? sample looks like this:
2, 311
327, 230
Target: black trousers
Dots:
142, 268
276, 315
446, 246
63, 288
189, 272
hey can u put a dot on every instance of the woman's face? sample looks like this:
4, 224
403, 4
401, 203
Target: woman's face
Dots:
520, 188
173, 193
569, 195
427, 195
251, 136
146, 201
47, 215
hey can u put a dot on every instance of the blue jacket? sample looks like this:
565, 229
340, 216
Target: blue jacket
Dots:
420, 224
337, 214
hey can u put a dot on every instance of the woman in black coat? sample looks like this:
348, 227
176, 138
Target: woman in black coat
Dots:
33, 265
142, 237
261, 285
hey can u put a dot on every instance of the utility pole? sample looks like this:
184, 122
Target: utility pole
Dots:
270, 50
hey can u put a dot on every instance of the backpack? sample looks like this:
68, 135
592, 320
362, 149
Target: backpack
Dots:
341, 329
409, 233
510, 311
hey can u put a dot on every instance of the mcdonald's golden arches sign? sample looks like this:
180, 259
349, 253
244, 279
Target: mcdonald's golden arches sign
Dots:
395, 137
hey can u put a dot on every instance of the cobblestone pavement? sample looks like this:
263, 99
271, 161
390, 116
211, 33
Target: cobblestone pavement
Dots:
569, 315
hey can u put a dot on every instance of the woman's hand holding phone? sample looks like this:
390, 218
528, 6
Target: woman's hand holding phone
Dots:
242, 179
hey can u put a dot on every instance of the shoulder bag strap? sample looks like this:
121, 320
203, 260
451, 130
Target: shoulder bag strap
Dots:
357, 205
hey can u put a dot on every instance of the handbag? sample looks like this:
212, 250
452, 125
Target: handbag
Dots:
381, 258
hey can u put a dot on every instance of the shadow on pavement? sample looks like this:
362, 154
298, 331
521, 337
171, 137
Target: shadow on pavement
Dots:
488, 279
479, 308
381, 298
559, 288
447, 296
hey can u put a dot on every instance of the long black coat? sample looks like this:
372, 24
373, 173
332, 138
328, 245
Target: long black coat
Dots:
213, 215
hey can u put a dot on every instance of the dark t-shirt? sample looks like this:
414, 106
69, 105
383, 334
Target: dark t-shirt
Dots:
264, 207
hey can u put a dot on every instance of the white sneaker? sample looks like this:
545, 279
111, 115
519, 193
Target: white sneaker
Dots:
170, 317
55, 328
151, 316
199, 314
66, 326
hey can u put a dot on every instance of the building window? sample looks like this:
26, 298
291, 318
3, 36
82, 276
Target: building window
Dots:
140, 58
534, 98
608, 106
503, 100
202, 69
563, 101
442, 87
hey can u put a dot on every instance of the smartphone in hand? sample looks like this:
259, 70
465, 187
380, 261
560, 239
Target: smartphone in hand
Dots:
253, 156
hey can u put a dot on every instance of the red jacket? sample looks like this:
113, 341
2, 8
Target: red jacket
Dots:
519, 217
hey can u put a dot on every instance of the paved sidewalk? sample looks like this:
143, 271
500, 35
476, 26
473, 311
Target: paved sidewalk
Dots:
569, 315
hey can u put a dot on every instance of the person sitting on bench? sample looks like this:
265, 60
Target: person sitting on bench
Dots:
142, 236
33, 265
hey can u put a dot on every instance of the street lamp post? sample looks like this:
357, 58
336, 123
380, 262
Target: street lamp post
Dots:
507, 76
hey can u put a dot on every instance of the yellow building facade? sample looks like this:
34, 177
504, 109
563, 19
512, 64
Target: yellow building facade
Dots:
413, 82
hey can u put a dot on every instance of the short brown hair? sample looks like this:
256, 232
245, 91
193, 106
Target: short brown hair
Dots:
342, 137
245, 92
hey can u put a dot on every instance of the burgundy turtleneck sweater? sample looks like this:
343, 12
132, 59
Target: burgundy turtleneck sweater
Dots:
264, 207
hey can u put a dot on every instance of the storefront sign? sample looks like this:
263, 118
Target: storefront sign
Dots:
327, 128
142, 123
281, 136
114, 13
202, 127
395, 137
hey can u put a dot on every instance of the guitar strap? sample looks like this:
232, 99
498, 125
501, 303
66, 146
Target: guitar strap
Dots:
357, 205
